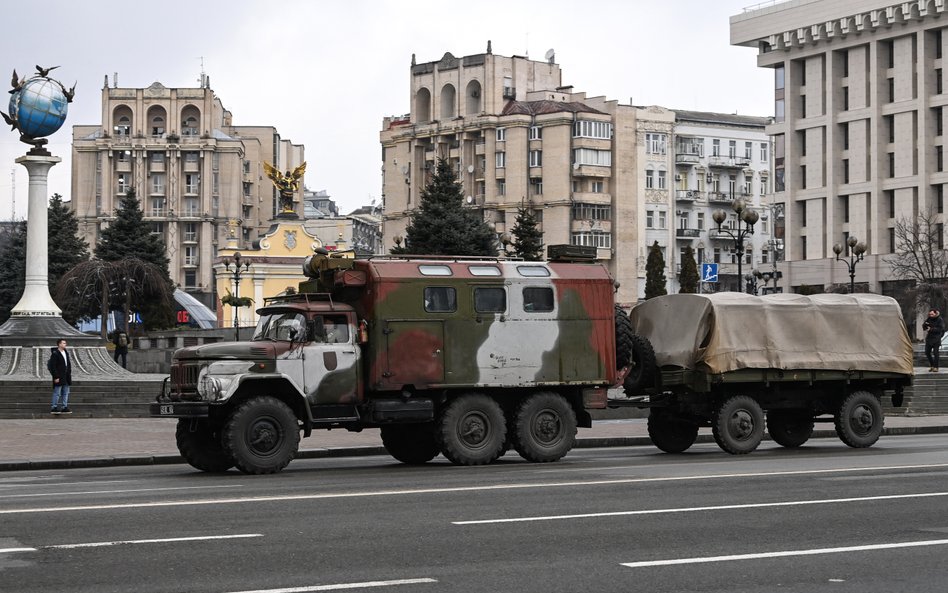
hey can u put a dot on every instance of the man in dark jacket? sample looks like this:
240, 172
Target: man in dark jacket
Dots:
934, 327
121, 347
60, 365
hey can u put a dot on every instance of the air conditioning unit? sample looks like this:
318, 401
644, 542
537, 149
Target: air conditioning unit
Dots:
677, 177
680, 212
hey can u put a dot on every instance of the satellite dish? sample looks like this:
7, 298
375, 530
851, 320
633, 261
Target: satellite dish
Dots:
575, 166
549, 55
470, 168
404, 169
470, 199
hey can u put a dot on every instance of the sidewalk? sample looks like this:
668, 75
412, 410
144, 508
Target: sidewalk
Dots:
65, 442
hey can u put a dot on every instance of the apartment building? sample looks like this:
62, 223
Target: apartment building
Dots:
859, 127
199, 178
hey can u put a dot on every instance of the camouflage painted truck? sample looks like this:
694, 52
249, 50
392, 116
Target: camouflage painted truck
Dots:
723, 360
465, 357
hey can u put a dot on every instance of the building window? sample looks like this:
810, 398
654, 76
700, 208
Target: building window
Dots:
592, 212
939, 159
845, 170
246, 167
190, 279
190, 231
536, 186
938, 81
597, 187
655, 143
157, 228
500, 160
650, 219
715, 147
891, 240
891, 164
536, 158
940, 198
157, 184
123, 156
662, 219
535, 133
123, 183
592, 129
192, 183
501, 187
588, 156
501, 134
190, 255
156, 157
649, 178
890, 200
661, 179
845, 98
191, 157
748, 150
189, 126
732, 149
802, 176
700, 221
157, 206
891, 83
591, 239
190, 207
845, 200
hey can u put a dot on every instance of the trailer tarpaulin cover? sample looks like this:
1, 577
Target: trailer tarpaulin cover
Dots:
717, 333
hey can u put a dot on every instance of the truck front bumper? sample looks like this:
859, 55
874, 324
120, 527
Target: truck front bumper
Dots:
168, 409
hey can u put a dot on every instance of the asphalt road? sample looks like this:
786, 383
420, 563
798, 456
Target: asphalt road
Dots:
821, 518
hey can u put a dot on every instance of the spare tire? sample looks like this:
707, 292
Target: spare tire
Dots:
642, 374
624, 333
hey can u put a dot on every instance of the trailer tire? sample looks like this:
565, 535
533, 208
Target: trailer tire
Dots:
789, 428
670, 433
738, 425
262, 435
860, 420
413, 444
544, 427
202, 447
471, 430
642, 374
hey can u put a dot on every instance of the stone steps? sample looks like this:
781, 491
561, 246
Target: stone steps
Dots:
95, 399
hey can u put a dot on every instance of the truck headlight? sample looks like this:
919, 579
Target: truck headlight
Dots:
215, 380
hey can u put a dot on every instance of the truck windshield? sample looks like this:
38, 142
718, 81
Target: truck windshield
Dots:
280, 327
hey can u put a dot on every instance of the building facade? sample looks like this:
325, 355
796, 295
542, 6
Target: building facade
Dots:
199, 178
595, 172
859, 127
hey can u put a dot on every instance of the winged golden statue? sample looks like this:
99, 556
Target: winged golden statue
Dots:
287, 183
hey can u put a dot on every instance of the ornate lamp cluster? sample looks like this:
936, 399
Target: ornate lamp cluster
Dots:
746, 219
235, 300
855, 250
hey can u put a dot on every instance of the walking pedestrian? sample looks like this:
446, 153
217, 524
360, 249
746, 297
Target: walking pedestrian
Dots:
934, 327
60, 366
121, 347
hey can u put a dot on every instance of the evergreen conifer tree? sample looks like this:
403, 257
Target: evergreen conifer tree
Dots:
529, 239
442, 225
129, 236
13, 270
688, 279
66, 247
655, 272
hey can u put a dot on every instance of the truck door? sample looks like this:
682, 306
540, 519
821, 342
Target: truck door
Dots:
414, 353
331, 362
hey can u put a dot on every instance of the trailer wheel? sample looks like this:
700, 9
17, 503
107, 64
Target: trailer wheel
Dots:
544, 427
642, 374
202, 447
669, 432
262, 435
472, 430
789, 428
738, 425
413, 444
860, 420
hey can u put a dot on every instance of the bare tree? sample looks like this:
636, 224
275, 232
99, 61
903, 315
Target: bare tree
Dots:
921, 258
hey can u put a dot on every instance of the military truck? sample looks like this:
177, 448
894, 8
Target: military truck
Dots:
467, 357
723, 360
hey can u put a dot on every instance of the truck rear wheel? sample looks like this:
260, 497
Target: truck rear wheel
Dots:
789, 428
413, 444
860, 420
201, 447
472, 430
670, 433
262, 435
738, 425
544, 427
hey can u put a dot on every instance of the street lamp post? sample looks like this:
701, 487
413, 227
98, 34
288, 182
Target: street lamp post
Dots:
855, 252
235, 275
746, 219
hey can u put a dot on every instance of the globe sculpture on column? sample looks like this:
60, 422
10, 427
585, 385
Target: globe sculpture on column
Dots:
37, 109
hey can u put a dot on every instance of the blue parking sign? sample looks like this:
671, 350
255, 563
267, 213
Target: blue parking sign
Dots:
709, 272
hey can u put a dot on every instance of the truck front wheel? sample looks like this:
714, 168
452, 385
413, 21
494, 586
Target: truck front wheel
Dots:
472, 430
201, 447
670, 433
738, 425
262, 435
413, 444
544, 427
789, 428
860, 420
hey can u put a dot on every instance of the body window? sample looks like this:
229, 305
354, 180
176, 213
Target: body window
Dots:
434, 270
538, 299
490, 300
484, 270
532, 271
440, 299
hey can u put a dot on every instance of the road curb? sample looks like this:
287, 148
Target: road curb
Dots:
369, 450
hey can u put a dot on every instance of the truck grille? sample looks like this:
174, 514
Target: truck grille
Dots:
184, 378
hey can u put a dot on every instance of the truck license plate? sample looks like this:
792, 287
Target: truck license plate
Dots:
166, 410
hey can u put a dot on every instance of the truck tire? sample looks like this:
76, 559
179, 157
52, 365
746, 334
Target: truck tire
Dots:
860, 420
789, 428
624, 333
738, 425
642, 374
471, 430
262, 435
544, 427
670, 433
413, 444
202, 447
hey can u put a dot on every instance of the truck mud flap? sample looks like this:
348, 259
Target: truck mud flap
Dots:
398, 410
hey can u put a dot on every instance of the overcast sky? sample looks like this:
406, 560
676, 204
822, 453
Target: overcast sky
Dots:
326, 73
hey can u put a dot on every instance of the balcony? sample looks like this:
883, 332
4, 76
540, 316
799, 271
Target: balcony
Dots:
717, 197
687, 158
687, 195
728, 162
687, 233
716, 235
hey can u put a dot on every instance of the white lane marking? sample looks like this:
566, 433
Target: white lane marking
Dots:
723, 507
38, 494
415, 491
340, 586
699, 560
197, 538
11, 550
27, 482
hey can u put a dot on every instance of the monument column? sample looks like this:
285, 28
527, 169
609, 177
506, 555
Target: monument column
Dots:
36, 300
